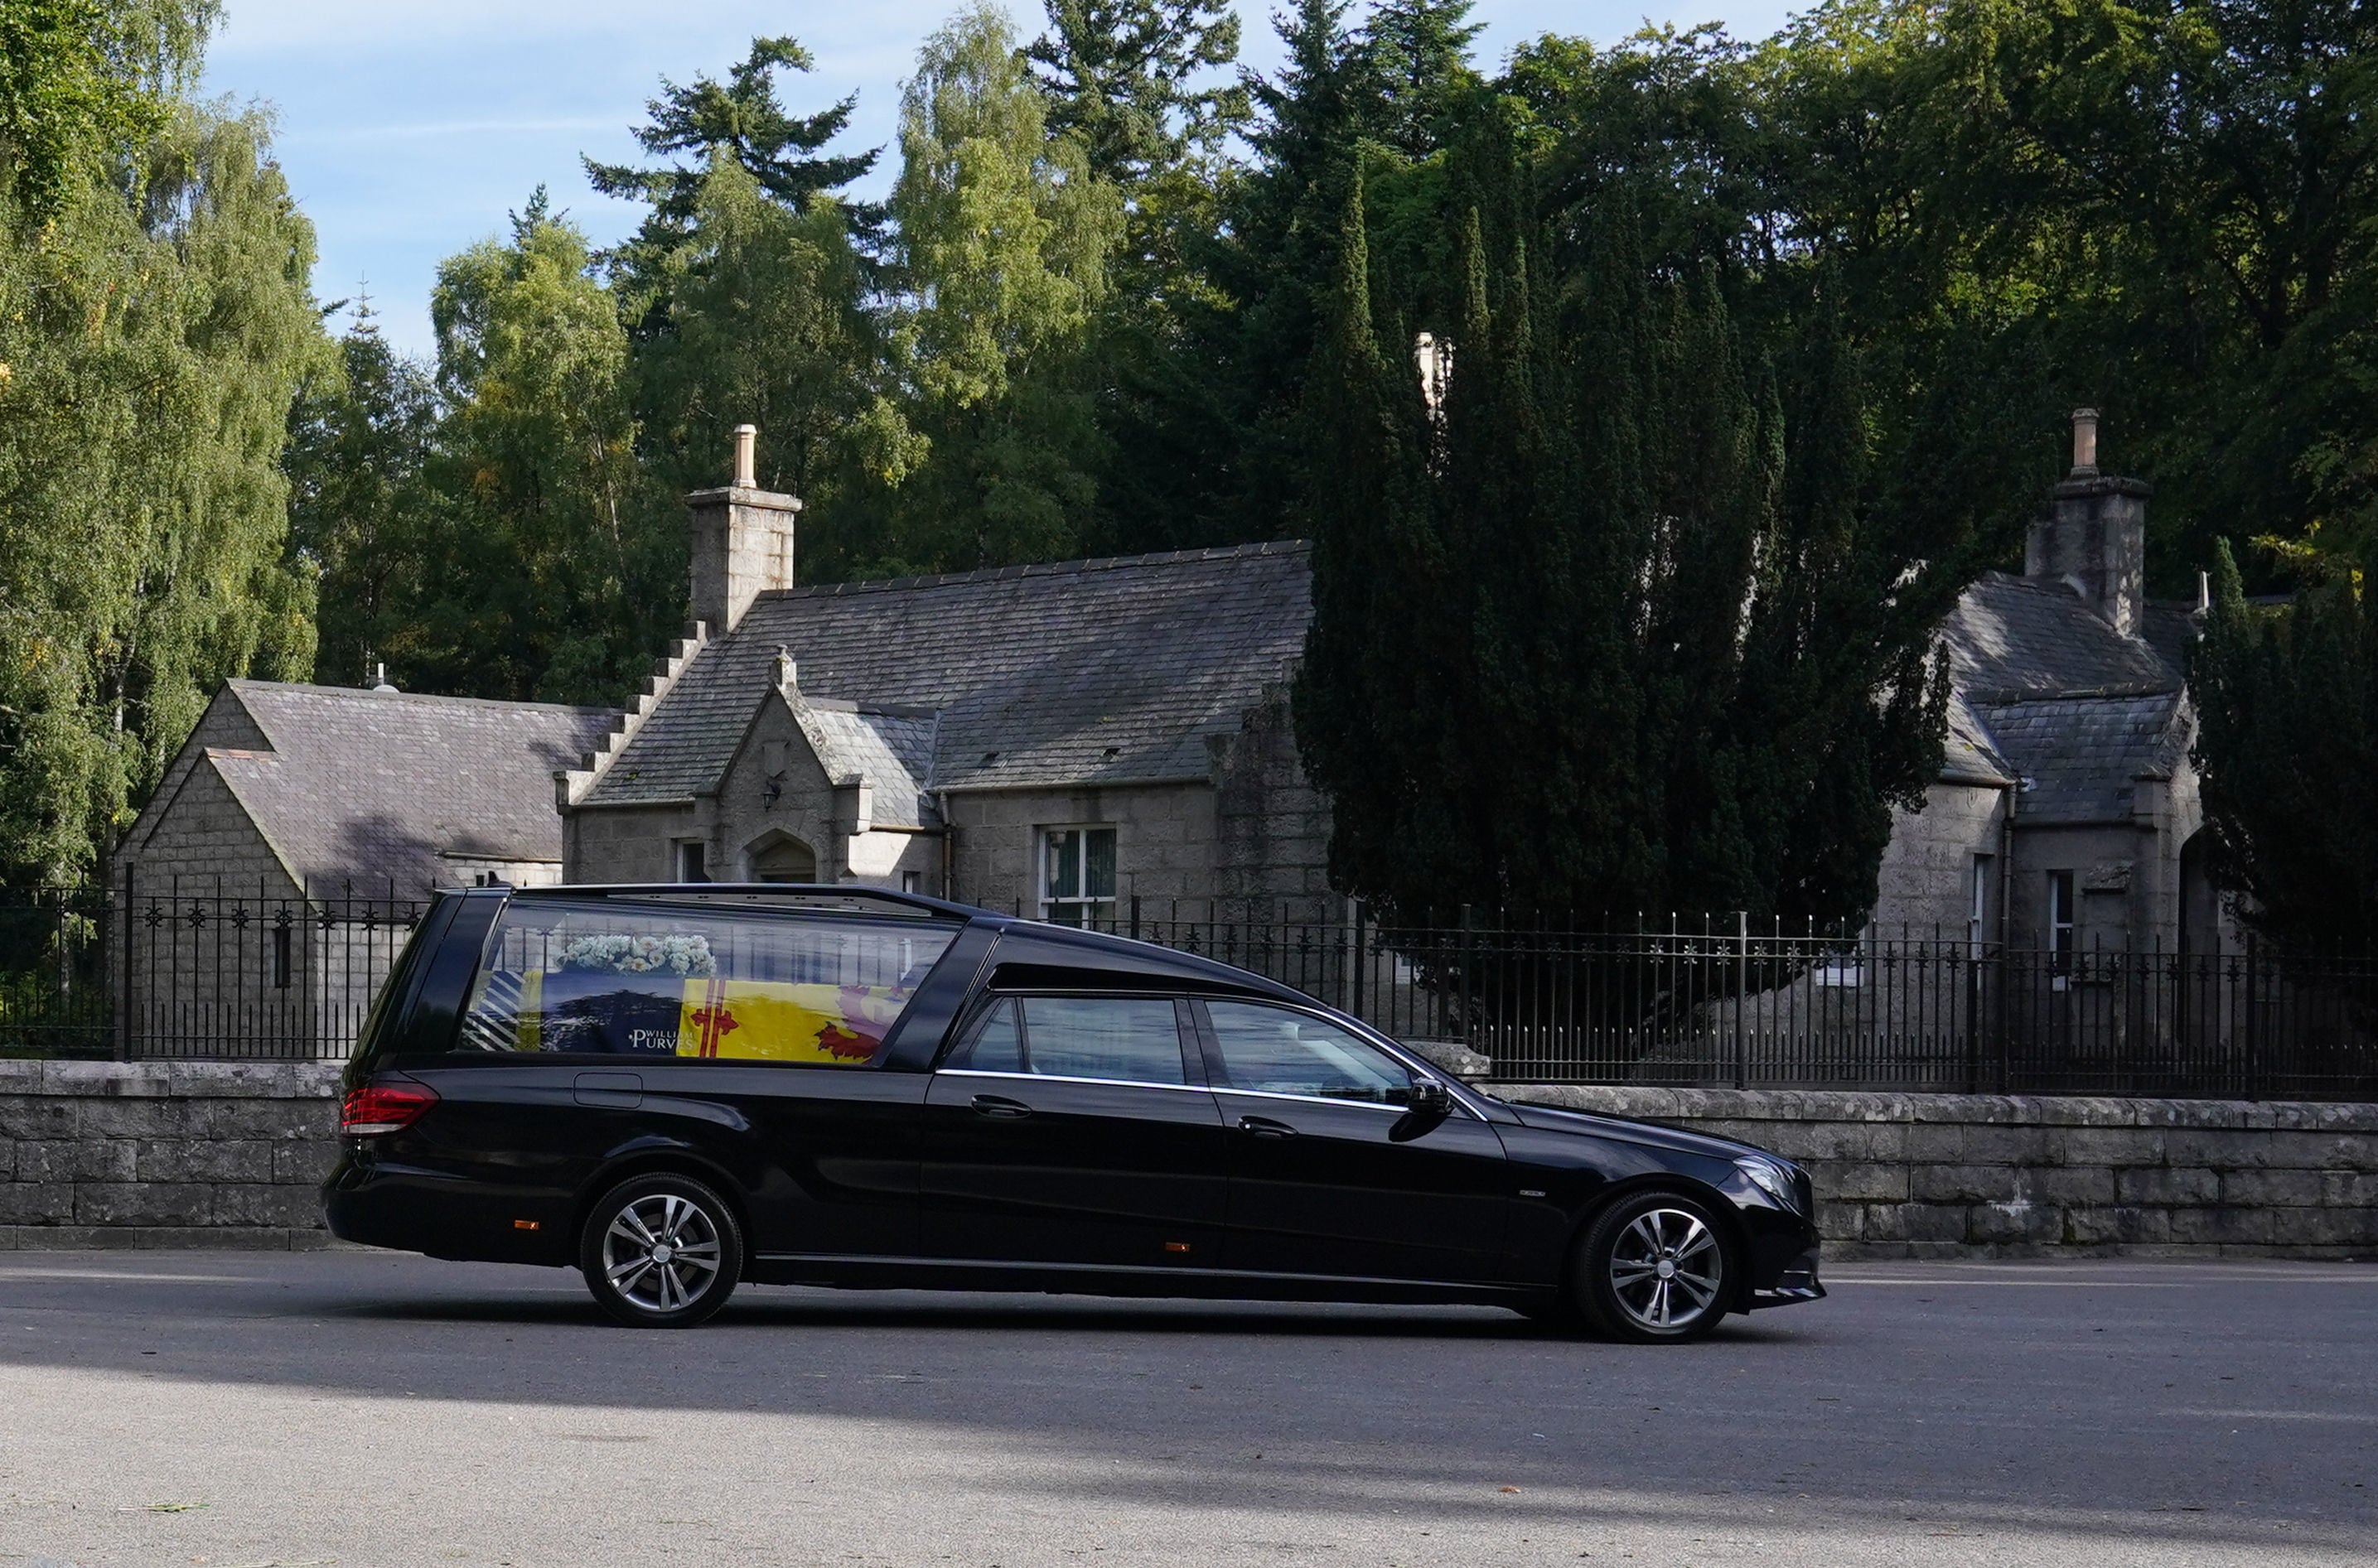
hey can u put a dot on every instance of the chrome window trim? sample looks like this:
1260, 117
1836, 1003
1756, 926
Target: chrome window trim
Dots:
1327, 1100
1060, 1078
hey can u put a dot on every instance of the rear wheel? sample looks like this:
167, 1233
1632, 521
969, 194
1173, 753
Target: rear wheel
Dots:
661, 1251
1655, 1268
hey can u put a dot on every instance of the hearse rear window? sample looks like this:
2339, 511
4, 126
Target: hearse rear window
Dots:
621, 977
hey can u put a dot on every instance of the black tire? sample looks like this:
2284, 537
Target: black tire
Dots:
684, 1235
1655, 1268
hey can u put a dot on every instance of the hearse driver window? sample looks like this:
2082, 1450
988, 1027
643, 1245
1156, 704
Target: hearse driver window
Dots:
1120, 1039
617, 978
1276, 1051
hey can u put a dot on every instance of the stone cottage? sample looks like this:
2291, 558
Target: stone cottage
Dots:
2067, 813
267, 881
1057, 739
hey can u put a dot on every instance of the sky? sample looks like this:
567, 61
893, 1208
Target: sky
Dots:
410, 129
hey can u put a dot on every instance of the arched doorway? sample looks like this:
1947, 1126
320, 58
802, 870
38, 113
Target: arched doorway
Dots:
781, 857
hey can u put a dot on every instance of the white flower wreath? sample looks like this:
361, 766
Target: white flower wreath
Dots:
640, 956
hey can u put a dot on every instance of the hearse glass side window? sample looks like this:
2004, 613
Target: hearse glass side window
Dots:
1119, 1039
623, 978
1276, 1051
995, 1044
1128, 1039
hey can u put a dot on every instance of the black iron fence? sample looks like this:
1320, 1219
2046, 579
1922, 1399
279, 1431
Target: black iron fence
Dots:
172, 974
177, 975
1722, 1002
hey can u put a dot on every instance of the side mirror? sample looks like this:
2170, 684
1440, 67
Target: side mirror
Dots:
1430, 1096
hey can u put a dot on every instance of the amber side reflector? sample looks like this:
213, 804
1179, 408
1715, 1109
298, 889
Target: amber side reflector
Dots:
524, 1224
1176, 1245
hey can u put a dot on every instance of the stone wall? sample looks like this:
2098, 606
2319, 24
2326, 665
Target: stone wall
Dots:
1164, 840
1271, 826
2017, 1175
1925, 884
185, 1153
230, 1153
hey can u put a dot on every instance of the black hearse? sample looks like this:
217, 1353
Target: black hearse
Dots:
679, 1088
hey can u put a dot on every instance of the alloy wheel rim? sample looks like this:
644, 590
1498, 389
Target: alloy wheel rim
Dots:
1666, 1269
661, 1253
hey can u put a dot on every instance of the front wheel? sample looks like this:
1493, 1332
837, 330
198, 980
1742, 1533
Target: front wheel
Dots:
661, 1251
1655, 1268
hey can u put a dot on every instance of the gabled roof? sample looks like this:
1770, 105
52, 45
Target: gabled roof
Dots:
370, 786
2049, 695
889, 747
1081, 673
1967, 753
2013, 637
2081, 757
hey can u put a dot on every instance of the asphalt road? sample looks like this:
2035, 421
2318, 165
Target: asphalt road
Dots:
369, 1409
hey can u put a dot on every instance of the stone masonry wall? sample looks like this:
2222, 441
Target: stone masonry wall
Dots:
185, 1154
1918, 1175
230, 1153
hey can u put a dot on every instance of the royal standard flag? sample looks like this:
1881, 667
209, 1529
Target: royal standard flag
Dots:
773, 1021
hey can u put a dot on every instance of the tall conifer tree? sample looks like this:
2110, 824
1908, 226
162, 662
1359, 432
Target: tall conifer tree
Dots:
1672, 658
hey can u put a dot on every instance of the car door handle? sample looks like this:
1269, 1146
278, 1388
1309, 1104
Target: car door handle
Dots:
999, 1107
1265, 1127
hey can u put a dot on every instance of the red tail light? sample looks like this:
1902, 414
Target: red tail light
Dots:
378, 1108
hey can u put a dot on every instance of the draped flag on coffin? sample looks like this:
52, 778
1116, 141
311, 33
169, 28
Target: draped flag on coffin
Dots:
773, 1021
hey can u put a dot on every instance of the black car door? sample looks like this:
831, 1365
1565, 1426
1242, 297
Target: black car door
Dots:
1329, 1172
1073, 1130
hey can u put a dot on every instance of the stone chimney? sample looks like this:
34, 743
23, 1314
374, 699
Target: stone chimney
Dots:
742, 541
2095, 536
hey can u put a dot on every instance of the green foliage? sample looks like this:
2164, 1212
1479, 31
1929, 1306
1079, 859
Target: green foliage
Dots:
552, 583
1674, 656
86, 80
1003, 238
1123, 78
151, 347
1419, 58
363, 515
766, 323
739, 123
2287, 704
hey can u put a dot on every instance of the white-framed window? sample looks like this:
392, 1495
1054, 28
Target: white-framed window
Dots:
2060, 925
1077, 876
692, 864
912, 881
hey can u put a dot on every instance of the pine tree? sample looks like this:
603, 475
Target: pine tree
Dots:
1675, 660
2287, 704
1419, 51
1121, 79
1277, 271
739, 121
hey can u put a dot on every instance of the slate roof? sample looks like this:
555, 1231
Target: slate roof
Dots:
1968, 755
2049, 695
2081, 757
890, 747
1080, 673
372, 785
2013, 637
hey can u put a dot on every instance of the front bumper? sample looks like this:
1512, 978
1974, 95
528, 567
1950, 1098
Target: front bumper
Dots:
1797, 1281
